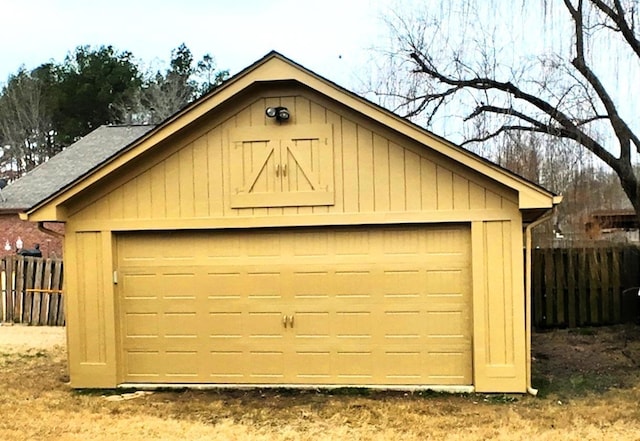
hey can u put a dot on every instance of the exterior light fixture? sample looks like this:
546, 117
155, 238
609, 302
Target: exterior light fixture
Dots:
19, 244
279, 113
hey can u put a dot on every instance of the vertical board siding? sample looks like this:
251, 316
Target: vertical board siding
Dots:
366, 175
460, 193
90, 297
349, 167
370, 173
583, 286
31, 291
397, 178
429, 187
444, 188
498, 249
158, 185
413, 181
381, 173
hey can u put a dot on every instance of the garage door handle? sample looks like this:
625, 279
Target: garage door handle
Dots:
291, 321
284, 320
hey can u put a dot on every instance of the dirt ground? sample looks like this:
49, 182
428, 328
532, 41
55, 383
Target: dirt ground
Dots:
589, 383
15, 338
586, 359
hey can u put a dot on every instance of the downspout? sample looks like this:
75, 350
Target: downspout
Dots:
527, 293
45, 230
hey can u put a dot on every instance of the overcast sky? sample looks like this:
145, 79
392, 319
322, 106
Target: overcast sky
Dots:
330, 37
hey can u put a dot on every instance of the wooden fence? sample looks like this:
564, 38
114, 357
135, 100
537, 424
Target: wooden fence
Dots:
571, 287
31, 291
583, 287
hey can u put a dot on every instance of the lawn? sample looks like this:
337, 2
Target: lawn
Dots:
589, 383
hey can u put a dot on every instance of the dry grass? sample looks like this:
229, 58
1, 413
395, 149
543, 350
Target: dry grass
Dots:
591, 391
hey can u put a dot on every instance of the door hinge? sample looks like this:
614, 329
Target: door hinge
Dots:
115, 277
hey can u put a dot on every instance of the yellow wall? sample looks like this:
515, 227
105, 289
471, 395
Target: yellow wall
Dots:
376, 176
373, 171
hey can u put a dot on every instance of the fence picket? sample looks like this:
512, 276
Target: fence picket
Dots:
560, 275
616, 286
538, 279
583, 277
28, 289
8, 298
46, 285
18, 298
571, 288
605, 270
56, 281
549, 295
594, 286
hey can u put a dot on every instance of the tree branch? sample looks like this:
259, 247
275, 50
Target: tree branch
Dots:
502, 129
621, 129
504, 111
619, 19
566, 124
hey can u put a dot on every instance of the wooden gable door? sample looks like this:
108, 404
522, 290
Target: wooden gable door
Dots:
282, 167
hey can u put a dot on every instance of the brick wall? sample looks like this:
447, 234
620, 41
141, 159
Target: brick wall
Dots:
12, 228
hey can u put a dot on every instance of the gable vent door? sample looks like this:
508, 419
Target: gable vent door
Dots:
281, 167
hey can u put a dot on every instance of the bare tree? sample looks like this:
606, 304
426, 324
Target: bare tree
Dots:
25, 126
164, 93
461, 58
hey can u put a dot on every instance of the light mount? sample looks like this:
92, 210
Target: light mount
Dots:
279, 113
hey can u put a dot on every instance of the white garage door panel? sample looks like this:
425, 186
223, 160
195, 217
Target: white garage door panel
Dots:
318, 306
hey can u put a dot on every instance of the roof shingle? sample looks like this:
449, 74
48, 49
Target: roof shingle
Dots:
69, 165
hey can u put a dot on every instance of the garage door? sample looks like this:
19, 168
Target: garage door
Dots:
345, 306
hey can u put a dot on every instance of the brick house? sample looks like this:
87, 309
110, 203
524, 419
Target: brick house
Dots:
14, 229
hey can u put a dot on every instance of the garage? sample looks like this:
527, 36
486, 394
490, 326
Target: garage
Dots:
324, 306
340, 245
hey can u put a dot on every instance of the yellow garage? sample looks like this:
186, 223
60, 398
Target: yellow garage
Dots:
282, 231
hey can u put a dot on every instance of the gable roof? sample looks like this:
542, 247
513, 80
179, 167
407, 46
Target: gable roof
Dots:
68, 166
272, 68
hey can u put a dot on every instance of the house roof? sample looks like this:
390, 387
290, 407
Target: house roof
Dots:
68, 166
272, 68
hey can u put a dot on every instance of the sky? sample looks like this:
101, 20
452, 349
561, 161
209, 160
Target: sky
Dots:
331, 37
